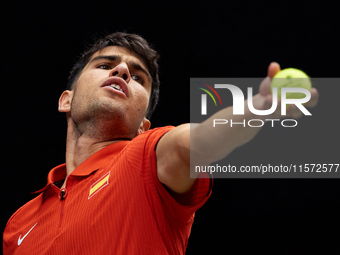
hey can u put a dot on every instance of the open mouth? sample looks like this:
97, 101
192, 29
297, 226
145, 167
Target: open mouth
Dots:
116, 87
117, 84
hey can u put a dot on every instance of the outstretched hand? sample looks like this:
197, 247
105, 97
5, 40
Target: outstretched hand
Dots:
266, 96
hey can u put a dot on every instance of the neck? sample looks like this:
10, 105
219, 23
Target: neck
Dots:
78, 149
80, 146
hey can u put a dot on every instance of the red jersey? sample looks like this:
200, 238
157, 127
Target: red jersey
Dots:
113, 203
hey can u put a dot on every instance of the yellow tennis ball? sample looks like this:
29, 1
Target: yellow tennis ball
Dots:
293, 78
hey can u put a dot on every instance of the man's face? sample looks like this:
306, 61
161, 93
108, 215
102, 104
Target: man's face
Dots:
112, 92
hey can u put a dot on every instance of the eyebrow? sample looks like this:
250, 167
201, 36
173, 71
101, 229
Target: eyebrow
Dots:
117, 58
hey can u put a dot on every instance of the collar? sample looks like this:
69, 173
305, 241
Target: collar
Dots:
90, 165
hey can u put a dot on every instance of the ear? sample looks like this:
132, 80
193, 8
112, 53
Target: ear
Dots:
144, 126
65, 101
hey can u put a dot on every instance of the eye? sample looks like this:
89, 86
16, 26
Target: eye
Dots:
104, 66
137, 78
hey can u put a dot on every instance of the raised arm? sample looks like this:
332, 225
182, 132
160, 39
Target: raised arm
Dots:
173, 150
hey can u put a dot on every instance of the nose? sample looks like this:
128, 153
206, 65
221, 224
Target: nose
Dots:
121, 70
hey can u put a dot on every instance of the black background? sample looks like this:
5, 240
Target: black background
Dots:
40, 41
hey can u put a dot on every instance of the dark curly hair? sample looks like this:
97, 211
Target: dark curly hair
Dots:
133, 43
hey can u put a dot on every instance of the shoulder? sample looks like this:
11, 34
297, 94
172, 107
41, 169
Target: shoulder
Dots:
151, 137
158, 131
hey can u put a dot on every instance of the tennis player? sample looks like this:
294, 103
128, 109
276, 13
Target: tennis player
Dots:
124, 188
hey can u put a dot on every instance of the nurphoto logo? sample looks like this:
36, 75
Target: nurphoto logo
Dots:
239, 104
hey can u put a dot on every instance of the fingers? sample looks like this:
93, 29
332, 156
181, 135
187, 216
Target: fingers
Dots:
293, 112
273, 69
265, 87
314, 98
